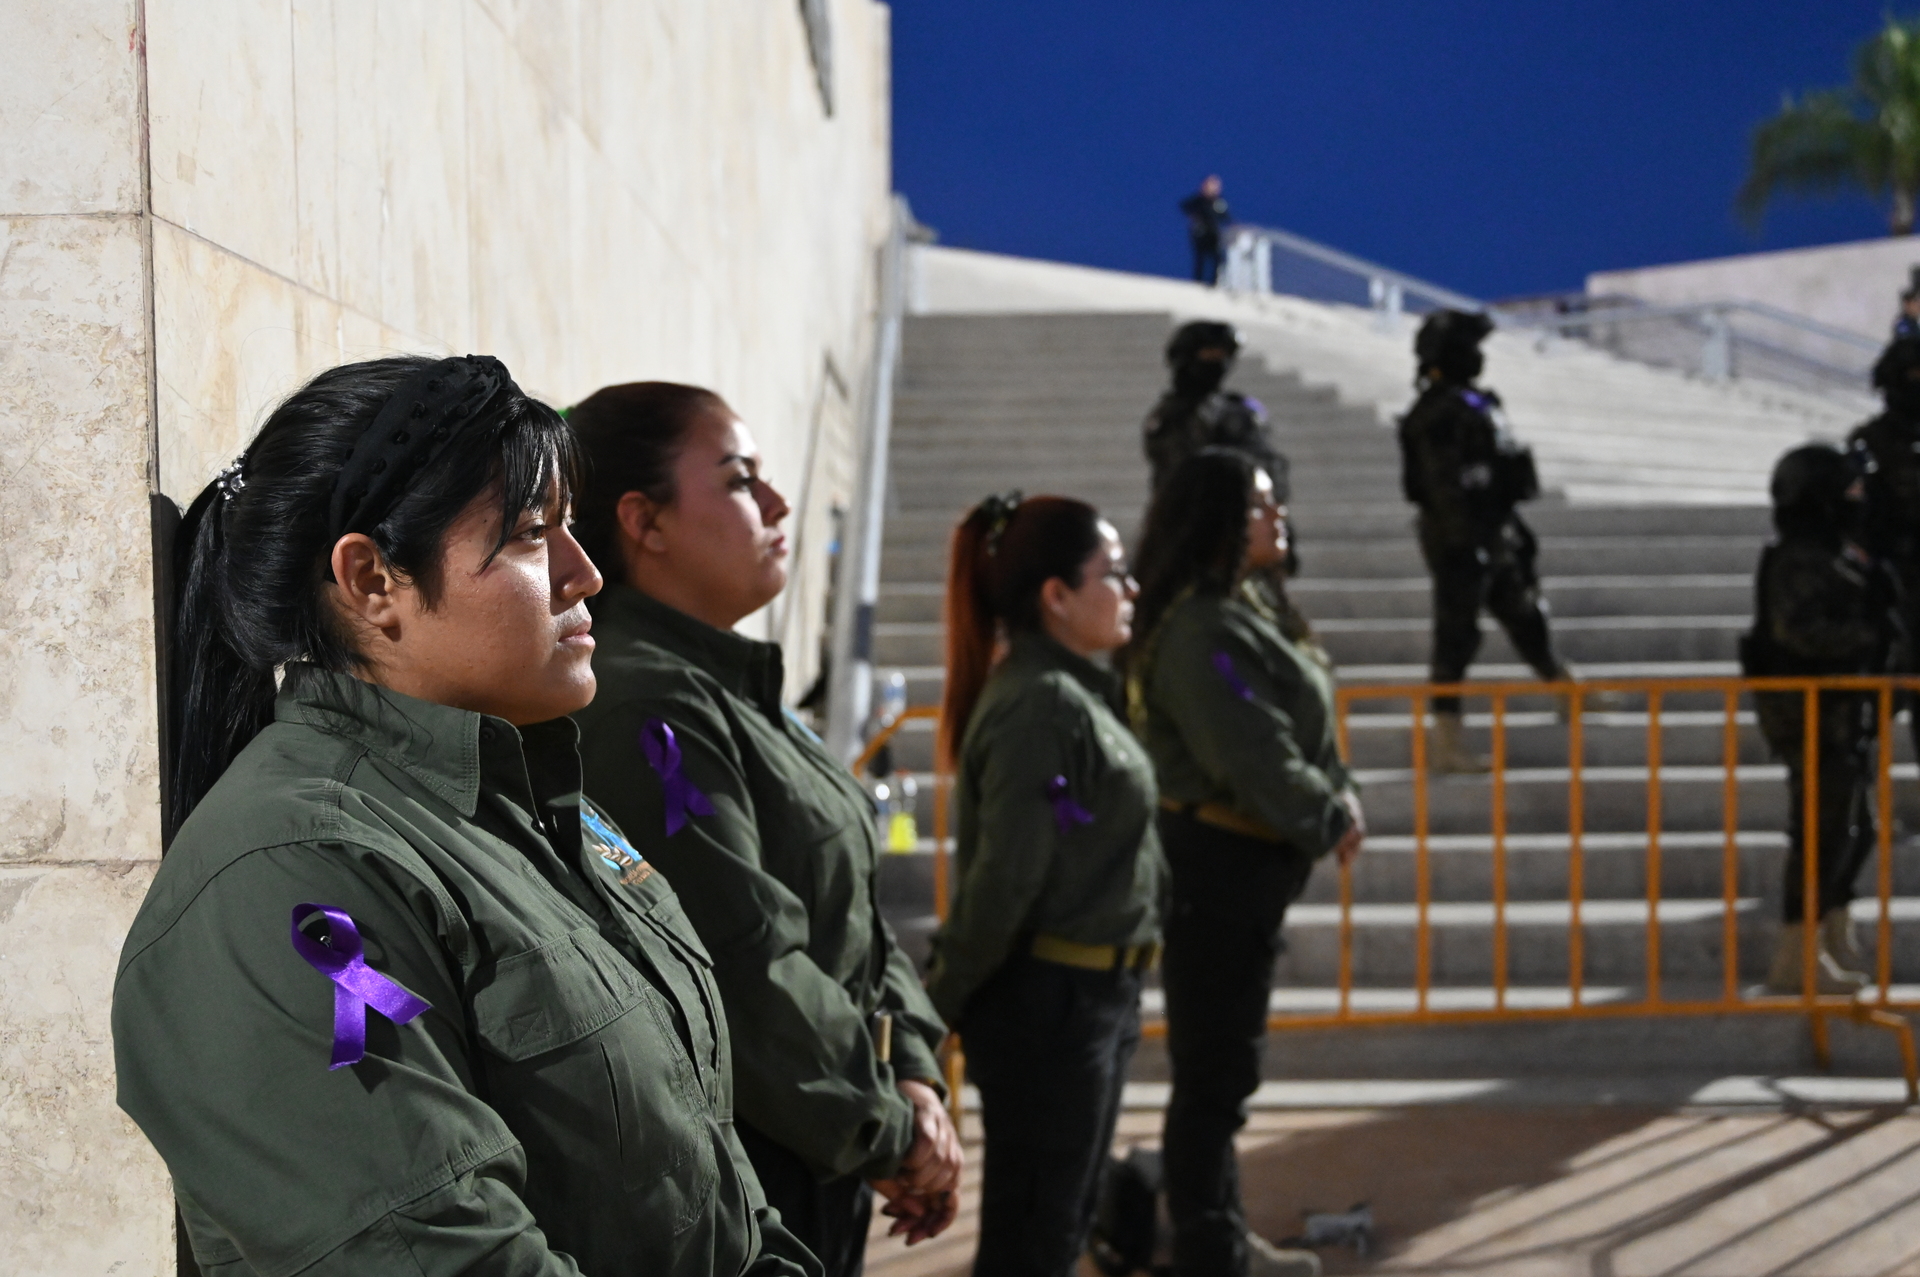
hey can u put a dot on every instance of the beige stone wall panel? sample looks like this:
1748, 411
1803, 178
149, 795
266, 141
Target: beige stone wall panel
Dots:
77, 705
81, 1192
220, 107
519, 154
69, 112
232, 340
383, 192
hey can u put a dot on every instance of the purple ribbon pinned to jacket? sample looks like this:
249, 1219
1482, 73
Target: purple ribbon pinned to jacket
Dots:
1223, 666
356, 986
683, 797
1066, 812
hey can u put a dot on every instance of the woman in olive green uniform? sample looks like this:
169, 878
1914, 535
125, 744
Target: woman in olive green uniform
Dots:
770, 842
1239, 722
397, 1001
1056, 906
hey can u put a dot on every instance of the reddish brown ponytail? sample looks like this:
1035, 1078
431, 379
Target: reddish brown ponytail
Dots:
1003, 552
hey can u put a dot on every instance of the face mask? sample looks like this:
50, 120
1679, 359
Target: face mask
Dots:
1201, 377
1463, 366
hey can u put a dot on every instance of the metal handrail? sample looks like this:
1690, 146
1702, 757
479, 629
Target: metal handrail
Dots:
1249, 268
1883, 1010
850, 636
1641, 311
1327, 255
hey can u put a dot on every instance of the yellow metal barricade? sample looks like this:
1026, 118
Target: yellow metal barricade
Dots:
1879, 1007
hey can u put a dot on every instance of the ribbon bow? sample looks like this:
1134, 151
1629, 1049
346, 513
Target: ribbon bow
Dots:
682, 795
1066, 812
356, 986
1223, 666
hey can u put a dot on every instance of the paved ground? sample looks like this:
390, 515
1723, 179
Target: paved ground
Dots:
1516, 1190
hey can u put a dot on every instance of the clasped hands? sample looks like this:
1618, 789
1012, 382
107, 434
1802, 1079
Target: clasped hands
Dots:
923, 1196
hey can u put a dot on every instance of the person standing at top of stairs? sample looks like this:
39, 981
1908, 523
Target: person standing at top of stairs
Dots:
1195, 413
1206, 212
1462, 466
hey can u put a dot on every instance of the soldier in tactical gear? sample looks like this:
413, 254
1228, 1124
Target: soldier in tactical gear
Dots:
1822, 605
1196, 413
1888, 448
1461, 465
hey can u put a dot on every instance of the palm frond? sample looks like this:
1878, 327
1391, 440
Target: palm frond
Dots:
1816, 145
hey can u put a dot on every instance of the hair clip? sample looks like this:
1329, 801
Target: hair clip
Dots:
999, 509
232, 479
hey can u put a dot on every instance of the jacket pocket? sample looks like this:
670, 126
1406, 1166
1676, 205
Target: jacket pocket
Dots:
587, 1066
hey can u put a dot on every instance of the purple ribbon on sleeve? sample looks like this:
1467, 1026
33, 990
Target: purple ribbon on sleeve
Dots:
1223, 666
1066, 812
663, 753
356, 986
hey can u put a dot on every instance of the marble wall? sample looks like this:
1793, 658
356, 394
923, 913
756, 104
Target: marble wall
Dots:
201, 204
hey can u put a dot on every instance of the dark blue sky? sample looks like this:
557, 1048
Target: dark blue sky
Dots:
1497, 146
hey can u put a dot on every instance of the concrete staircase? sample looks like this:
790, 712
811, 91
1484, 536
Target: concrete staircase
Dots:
1053, 403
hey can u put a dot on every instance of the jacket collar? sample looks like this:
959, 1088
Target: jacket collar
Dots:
454, 753
748, 668
1039, 652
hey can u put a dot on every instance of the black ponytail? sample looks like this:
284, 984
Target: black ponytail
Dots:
1195, 537
251, 558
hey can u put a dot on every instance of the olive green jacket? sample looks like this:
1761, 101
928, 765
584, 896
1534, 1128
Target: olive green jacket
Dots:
1232, 712
1026, 861
565, 1106
779, 881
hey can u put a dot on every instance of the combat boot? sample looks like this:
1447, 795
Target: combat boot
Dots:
1829, 977
1842, 944
1447, 752
1590, 702
1264, 1259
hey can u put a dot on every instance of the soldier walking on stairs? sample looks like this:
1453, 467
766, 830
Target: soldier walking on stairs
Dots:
1462, 466
1822, 605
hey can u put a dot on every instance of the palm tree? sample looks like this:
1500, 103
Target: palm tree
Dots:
1866, 135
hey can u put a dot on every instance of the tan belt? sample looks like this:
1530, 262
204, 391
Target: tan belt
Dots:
1221, 816
1095, 957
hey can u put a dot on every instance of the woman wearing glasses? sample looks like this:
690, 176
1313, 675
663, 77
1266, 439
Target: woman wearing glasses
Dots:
1239, 722
1056, 906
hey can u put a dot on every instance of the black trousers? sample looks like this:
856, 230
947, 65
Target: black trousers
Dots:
1230, 895
1907, 569
1499, 577
1048, 1046
1846, 831
830, 1219
1848, 757
1206, 260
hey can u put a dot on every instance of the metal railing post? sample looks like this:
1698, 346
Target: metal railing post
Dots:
1883, 793
850, 646
1716, 353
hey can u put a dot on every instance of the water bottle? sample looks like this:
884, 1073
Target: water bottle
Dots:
903, 825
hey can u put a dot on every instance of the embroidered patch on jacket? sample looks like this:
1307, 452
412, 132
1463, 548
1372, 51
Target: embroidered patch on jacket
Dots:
615, 852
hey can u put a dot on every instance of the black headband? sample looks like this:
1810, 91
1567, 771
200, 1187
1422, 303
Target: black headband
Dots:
412, 428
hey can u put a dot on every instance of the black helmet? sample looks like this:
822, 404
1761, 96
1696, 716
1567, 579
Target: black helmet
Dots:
1813, 492
1202, 334
1450, 341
